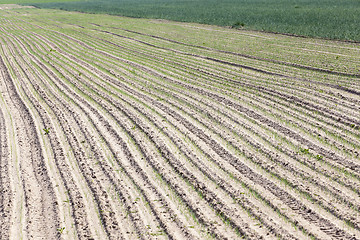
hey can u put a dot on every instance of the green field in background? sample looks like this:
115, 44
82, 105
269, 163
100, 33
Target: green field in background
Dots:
31, 1
332, 19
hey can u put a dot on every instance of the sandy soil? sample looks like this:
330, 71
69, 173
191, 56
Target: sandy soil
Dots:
12, 6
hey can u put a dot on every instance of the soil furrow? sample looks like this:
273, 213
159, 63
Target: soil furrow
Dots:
100, 101
41, 201
330, 114
81, 156
136, 51
77, 203
85, 65
239, 54
5, 189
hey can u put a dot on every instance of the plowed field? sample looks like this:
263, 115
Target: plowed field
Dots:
118, 128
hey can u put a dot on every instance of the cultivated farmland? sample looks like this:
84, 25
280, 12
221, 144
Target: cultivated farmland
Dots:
119, 128
331, 19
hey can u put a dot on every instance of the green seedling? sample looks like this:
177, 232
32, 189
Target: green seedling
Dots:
46, 130
61, 230
304, 150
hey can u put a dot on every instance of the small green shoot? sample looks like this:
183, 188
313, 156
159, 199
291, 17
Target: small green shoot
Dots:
304, 150
61, 230
46, 130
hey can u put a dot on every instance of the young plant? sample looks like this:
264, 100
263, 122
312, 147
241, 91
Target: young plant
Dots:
61, 230
46, 130
304, 150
